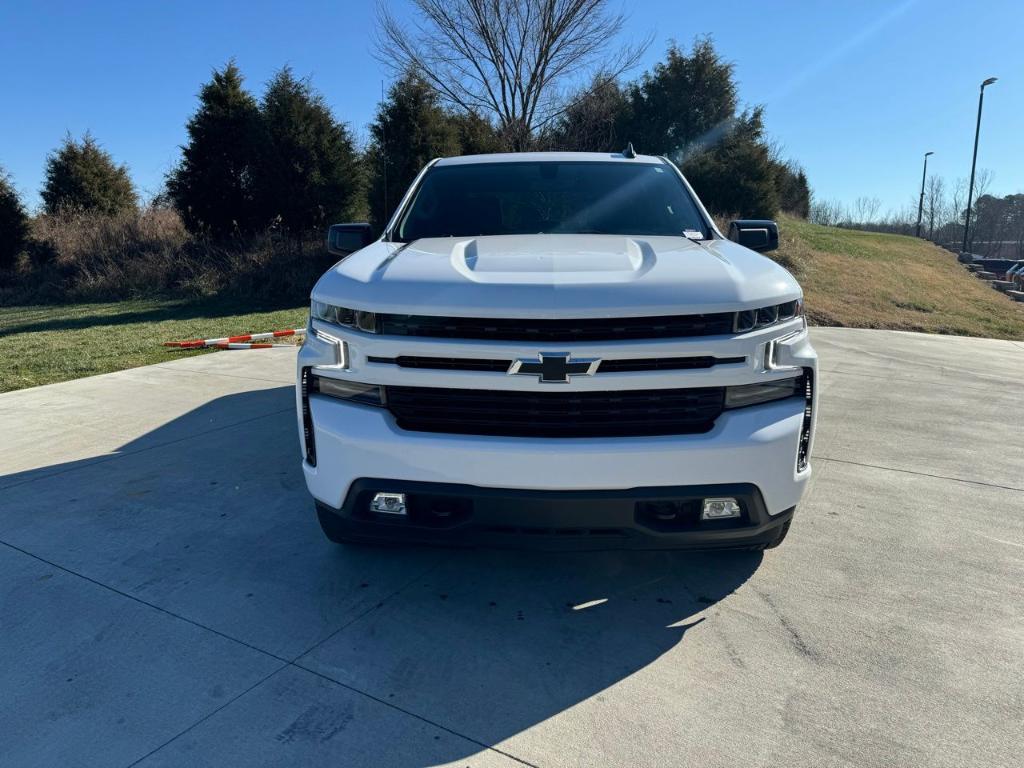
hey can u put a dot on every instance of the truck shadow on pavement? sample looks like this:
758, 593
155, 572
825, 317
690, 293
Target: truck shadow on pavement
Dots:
207, 517
493, 643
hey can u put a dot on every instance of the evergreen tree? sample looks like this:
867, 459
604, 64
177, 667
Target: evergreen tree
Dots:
594, 121
308, 174
13, 222
794, 191
684, 104
83, 176
212, 187
735, 175
477, 136
410, 130
686, 108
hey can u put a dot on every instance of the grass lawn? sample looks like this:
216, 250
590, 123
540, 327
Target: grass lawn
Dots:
44, 344
868, 280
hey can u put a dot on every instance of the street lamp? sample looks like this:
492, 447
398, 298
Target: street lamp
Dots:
974, 160
920, 205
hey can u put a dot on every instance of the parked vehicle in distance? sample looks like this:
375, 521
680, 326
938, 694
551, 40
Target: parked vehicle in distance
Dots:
997, 267
556, 348
1015, 274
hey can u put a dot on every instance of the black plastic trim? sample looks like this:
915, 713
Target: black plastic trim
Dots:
606, 366
803, 457
308, 433
558, 330
473, 515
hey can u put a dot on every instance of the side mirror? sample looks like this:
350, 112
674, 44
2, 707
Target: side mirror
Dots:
756, 234
343, 239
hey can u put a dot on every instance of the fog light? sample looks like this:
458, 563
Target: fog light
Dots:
720, 509
388, 504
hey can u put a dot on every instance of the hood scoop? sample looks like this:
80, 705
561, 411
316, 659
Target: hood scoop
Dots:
547, 261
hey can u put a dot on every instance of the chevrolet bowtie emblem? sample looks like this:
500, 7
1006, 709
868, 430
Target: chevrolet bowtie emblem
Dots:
554, 367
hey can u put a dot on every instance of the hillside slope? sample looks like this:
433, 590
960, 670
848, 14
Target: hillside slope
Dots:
869, 280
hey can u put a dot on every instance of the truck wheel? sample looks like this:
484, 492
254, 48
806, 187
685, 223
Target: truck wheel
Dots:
330, 526
779, 538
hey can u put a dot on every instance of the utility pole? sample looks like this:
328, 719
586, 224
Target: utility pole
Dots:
920, 205
974, 160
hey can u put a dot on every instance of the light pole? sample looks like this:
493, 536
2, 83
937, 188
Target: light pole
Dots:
974, 160
920, 205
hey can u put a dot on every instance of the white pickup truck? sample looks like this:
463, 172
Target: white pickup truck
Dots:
559, 349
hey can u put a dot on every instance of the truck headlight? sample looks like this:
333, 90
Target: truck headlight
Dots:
769, 391
756, 319
356, 319
355, 392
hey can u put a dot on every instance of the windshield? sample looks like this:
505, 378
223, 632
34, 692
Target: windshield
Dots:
525, 198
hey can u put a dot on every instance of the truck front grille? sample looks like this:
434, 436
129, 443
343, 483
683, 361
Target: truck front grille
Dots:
556, 414
585, 329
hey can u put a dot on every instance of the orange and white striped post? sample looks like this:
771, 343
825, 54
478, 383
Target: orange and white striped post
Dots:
237, 342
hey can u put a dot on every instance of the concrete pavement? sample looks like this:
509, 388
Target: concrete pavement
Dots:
167, 599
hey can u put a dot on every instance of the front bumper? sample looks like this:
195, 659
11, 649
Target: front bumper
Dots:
465, 515
755, 446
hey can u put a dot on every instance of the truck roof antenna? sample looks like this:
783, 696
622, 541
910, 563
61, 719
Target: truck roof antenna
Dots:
629, 151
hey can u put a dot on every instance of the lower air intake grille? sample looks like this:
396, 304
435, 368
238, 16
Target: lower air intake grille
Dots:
556, 414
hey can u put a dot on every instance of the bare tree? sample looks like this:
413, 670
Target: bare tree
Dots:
935, 203
982, 182
865, 209
513, 59
957, 204
829, 213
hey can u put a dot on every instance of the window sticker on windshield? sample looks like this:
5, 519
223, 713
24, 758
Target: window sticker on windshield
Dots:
659, 170
693, 234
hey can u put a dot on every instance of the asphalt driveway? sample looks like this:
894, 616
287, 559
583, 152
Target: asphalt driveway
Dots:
167, 599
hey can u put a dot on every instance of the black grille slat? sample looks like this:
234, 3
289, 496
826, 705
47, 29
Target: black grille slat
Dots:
606, 366
665, 364
556, 414
548, 330
452, 363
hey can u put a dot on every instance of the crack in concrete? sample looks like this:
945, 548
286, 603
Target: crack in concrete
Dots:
796, 639
919, 474
988, 390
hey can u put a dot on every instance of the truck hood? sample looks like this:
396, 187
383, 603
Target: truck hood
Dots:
555, 276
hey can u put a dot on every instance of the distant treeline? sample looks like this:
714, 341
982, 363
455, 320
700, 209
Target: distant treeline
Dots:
997, 223
260, 178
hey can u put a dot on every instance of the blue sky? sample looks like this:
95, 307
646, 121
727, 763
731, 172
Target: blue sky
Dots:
856, 92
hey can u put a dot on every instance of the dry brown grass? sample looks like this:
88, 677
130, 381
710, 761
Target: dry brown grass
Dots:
870, 280
148, 253
90, 254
